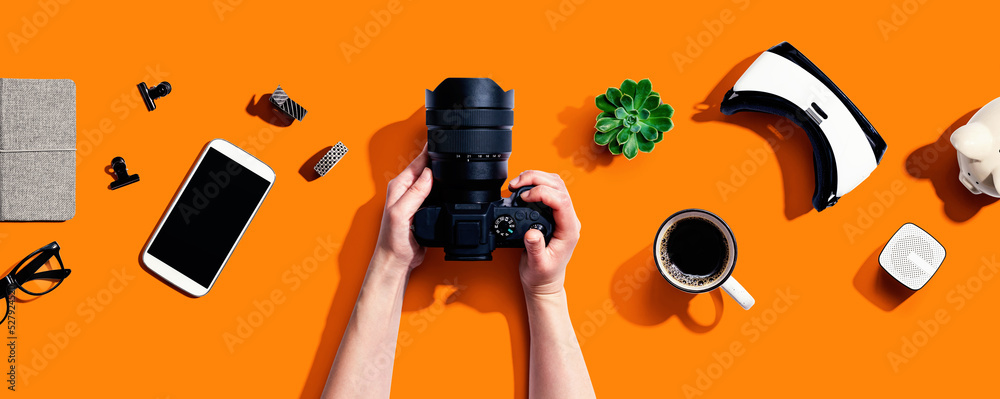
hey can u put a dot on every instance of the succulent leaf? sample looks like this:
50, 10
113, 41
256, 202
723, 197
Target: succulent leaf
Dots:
648, 132
603, 104
642, 91
615, 96
631, 147
605, 115
643, 114
659, 137
606, 124
645, 145
663, 111
652, 102
621, 113
615, 148
634, 128
623, 135
628, 103
628, 88
661, 124
603, 138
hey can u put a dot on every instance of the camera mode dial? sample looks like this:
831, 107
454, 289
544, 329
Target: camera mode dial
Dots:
504, 226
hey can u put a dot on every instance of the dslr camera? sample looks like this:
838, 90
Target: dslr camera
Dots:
469, 123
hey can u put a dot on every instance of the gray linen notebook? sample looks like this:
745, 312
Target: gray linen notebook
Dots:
37, 149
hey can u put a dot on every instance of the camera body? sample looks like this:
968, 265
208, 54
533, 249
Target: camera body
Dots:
473, 231
469, 122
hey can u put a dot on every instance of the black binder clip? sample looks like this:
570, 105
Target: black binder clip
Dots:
149, 95
281, 101
122, 178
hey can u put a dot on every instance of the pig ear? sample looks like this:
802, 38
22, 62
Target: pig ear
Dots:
973, 140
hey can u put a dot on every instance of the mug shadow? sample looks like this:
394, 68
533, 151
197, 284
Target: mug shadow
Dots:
643, 297
576, 141
878, 287
789, 143
487, 287
264, 110
938, 162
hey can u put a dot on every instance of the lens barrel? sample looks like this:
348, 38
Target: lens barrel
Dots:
469, 123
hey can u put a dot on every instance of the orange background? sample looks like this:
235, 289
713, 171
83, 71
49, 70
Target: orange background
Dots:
464, 331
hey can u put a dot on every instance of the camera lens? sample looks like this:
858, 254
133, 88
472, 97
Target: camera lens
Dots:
469, 123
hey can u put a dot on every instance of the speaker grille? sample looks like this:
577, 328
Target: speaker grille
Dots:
912, 256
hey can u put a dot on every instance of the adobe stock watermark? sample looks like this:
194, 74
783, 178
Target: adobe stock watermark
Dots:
916, 166
11, 343
901, 13
33, 24
561, 12
87, 312
222, 7
448, 291
753, 330
713, 28
365, 33
89, 139
293, 277
203, 194
910, 344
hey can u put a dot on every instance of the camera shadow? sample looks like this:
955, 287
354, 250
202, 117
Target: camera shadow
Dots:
487, 287
643, 297
938, 162
576, 141
878, 287
789, 143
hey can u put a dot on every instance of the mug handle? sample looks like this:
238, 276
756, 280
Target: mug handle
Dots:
739, 294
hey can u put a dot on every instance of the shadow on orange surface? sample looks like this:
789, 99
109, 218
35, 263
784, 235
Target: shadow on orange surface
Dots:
879, 287
643, 297
788, 142
576, 141
485, 286
306, 171
938, 162
267, 113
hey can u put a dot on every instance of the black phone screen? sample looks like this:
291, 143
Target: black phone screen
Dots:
210, 215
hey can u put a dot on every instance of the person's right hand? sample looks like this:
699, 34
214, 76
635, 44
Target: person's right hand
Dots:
396, 245
543, 267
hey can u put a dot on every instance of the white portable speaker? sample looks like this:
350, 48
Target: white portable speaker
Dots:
912, 256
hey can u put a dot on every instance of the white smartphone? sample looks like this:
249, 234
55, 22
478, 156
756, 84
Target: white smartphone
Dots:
207, 217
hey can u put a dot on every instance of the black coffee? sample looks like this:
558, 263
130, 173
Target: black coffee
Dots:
697, 248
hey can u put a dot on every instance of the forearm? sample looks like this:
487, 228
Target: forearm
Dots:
363, 366
557, 368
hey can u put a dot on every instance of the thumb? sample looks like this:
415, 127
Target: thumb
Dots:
534, 243
411, 199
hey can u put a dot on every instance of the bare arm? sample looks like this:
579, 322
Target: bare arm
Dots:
363, 366
556, 365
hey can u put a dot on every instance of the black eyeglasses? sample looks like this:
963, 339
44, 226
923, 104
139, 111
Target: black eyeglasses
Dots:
38, 276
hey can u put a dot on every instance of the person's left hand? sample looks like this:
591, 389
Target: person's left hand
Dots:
396, 245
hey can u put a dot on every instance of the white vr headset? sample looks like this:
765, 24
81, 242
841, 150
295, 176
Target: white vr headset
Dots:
846, 147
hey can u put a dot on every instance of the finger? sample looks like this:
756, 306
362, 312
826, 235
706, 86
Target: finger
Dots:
537, 178
414, 196
567, 224
406, 178
534, 243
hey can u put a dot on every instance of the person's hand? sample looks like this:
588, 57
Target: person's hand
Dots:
396, 246
543, 268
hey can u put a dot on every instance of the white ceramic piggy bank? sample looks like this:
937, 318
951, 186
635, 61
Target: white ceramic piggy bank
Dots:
978, 145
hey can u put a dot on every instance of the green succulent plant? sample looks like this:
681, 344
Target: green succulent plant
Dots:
632, 118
